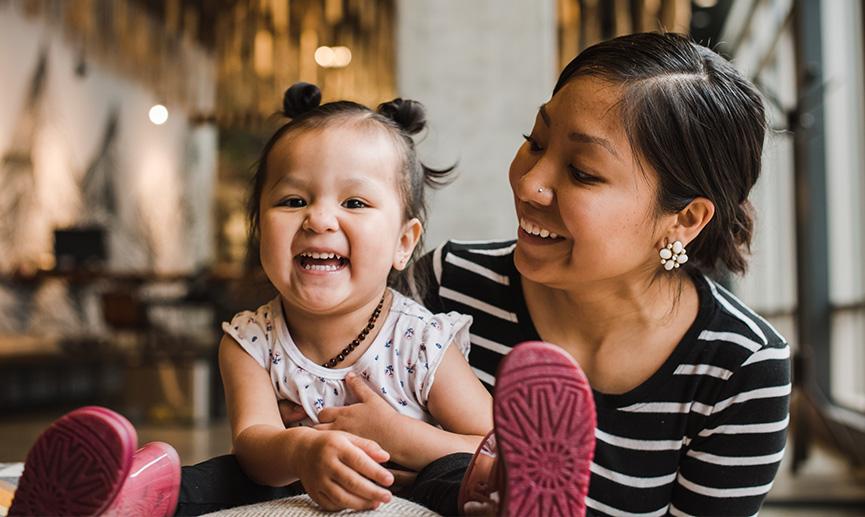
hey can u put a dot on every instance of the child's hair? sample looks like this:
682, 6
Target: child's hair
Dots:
697, 121
400, 118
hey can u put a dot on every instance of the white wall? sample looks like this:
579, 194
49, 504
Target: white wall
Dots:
162, 172
482, 68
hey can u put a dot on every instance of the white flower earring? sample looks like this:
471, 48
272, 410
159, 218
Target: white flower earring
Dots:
673, 255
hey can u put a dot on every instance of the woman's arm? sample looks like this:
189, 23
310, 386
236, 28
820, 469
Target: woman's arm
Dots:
335, 468
457, 400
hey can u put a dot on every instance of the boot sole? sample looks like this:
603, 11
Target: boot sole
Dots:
544, 414
77, 465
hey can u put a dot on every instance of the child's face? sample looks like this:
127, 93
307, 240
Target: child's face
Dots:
331, 217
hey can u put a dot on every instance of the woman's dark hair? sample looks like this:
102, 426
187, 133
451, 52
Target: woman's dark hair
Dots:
694, 119
400, 118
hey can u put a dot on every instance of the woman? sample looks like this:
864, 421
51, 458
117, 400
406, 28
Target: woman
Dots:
648, 147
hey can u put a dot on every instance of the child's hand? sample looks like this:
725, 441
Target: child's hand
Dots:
339, 470
371, 418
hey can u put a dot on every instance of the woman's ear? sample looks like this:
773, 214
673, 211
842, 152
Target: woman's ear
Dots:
408, 239
691, 220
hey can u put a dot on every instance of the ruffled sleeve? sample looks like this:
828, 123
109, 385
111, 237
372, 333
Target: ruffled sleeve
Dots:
421, 339
254, 332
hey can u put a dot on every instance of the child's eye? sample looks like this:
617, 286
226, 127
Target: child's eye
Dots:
533, 144
292, 202
354, 203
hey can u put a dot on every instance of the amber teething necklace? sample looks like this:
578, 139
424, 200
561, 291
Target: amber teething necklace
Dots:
340, 357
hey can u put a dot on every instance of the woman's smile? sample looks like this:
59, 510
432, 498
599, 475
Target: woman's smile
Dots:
532, 233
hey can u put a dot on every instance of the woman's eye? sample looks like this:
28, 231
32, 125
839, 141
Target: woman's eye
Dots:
581, 176
292, 202
533, 145
354, 203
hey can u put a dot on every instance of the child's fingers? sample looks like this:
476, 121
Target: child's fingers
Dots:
361, 389
328, 414
320, 496
323, 427
356, 491
372, 449
366, 463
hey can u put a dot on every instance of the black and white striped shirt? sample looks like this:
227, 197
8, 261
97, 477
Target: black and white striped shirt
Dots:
702, 436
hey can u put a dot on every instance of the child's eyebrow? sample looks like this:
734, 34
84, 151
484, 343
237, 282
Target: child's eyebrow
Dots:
359, 182
290, 181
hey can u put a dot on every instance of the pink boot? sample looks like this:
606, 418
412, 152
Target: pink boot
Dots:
77, 465
537, 462
153, 485
84, 464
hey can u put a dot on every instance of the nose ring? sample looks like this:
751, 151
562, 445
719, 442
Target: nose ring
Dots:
540, 190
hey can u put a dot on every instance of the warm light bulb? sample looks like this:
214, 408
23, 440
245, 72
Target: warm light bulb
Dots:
341, 57
324, 56
158, 114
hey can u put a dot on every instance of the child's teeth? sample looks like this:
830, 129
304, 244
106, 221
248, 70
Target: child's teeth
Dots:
317, 255
317, 267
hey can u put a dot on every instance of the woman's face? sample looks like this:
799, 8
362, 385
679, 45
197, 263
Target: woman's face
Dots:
586, 209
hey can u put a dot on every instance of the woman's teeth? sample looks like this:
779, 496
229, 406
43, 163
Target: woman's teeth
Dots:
537, 230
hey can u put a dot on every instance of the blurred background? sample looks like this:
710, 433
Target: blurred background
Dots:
128, 129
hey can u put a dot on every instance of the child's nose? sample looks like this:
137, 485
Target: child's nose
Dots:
320, 220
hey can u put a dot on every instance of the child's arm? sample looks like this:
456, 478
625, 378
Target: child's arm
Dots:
457, 400
334, 467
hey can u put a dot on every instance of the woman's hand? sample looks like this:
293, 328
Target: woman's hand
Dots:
372, 417
339, 471
290, 412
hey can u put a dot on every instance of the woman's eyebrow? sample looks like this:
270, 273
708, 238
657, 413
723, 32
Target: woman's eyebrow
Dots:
589, 139
583, 138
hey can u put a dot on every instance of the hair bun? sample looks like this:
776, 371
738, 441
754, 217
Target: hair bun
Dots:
408, 114
300, 98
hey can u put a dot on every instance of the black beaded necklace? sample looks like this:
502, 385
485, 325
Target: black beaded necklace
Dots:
340, 357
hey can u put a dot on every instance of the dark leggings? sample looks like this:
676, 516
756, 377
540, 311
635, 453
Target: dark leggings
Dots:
220, 483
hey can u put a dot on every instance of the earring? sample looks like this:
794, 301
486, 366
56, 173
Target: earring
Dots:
673, 255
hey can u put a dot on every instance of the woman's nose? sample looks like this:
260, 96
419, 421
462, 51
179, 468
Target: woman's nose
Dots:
535, 186
320, 219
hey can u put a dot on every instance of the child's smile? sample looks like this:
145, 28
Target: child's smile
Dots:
320, 261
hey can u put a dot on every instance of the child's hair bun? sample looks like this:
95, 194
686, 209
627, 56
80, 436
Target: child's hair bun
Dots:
408, 114
300, 98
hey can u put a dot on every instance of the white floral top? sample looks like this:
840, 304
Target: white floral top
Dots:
400, 364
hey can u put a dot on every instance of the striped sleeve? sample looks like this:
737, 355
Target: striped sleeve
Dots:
421, 283
731, 462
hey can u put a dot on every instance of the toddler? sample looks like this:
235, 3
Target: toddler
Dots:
337, 205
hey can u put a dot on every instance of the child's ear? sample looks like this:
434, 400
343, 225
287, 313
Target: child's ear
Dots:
408, 239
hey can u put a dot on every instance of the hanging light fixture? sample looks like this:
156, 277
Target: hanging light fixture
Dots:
158, 114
